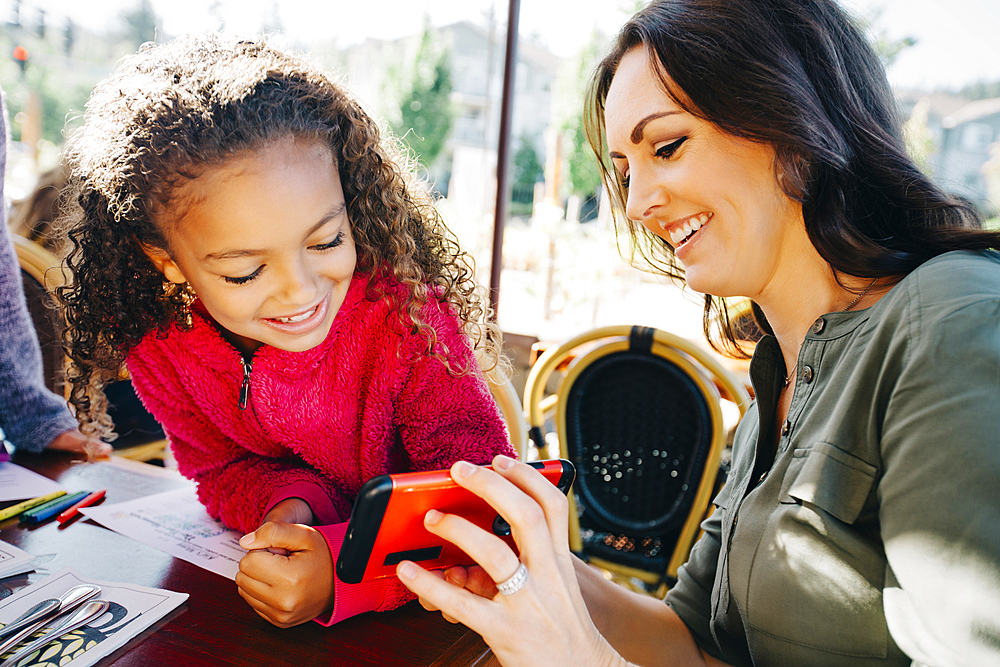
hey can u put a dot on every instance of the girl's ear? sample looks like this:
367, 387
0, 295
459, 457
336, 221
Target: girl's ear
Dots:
163, 263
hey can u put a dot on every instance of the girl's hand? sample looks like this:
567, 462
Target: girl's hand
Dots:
545, 622
286, 589
291, 510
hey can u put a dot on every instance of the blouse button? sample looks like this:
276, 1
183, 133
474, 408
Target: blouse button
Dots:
786, 427
818, 325
807, 374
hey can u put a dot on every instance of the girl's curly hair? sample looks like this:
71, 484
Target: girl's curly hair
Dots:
173, 109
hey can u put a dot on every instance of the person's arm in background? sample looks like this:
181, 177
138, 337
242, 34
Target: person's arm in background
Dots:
31, 416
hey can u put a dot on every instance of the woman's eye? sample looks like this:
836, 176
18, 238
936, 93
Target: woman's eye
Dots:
668, 150
332, 244
242, 280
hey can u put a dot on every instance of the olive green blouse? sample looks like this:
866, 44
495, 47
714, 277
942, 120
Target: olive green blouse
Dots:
872, 535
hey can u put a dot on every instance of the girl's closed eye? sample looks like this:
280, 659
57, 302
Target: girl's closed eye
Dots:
242, 280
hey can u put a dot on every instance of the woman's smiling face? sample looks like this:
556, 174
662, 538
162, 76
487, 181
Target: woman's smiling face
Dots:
265, 242
712, 196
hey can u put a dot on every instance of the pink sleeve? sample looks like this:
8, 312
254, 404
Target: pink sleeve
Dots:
313, 495
353, 599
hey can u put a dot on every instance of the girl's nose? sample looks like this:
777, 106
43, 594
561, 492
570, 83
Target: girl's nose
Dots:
646, 195
299, 284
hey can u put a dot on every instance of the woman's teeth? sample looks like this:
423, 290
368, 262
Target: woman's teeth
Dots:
295, 318
679, 235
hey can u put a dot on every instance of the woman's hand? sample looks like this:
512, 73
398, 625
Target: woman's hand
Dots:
75, 441
286, 588
545, 622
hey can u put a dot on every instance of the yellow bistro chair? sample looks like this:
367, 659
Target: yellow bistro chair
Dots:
638, 412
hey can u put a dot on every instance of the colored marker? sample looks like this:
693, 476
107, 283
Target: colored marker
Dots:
51, 509
73, 511
14, 510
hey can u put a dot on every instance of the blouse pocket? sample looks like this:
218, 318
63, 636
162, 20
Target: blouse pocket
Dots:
816, 578
829, 478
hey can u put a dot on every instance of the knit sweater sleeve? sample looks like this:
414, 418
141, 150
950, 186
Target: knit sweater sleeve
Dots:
31, 416
238, 486
444, 417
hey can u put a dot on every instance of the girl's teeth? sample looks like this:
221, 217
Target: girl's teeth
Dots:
296, 318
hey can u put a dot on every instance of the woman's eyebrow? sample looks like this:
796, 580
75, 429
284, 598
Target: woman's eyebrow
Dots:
641, 125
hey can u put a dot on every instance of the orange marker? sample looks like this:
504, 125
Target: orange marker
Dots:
86, 502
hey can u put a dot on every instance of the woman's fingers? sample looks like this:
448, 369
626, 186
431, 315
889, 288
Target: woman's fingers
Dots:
553, 501
463, 607
535, 509
489, 551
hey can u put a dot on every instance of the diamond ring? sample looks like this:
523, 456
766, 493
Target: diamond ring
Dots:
515, 582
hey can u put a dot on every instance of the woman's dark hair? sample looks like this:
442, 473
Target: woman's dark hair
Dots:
173, 110
799, 76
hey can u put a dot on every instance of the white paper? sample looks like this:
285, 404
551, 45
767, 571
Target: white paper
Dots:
175, 522
19, 483
133, 609
14, 561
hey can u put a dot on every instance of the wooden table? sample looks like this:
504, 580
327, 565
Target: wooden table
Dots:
215, 626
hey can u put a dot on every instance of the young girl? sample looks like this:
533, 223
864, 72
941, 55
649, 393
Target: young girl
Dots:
290, 307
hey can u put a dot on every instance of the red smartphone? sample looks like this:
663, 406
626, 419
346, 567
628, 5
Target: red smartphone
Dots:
387, 522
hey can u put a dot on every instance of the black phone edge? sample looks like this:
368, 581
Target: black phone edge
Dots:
376, 492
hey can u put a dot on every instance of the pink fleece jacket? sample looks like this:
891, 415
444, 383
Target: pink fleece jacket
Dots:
318, 424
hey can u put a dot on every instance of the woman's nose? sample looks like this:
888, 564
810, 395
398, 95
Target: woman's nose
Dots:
645, 196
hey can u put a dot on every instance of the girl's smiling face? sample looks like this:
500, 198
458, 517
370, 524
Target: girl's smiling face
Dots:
712, 196
265, 242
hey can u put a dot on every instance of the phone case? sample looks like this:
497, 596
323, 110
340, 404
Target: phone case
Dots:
387, 522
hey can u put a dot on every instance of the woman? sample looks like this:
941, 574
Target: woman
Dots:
754, 148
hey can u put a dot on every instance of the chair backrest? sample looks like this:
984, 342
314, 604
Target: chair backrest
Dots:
510, 407
40, 275
638, 412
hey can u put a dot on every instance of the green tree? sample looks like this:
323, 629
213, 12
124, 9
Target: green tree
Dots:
583, 174
527, 170
140, 24
426, 114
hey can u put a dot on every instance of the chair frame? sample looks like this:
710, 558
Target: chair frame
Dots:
43, 267
40, 264
510, 408
711, 378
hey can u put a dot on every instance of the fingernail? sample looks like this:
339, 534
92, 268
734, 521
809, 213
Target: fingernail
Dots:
502, 462
462, 470
432, 517
406, 571
247, 539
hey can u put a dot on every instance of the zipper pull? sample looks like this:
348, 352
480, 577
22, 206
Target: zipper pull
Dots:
245, 387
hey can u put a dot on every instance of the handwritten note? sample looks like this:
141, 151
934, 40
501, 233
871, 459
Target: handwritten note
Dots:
176, 523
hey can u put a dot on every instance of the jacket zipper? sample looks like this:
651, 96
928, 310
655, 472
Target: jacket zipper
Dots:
245, 387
